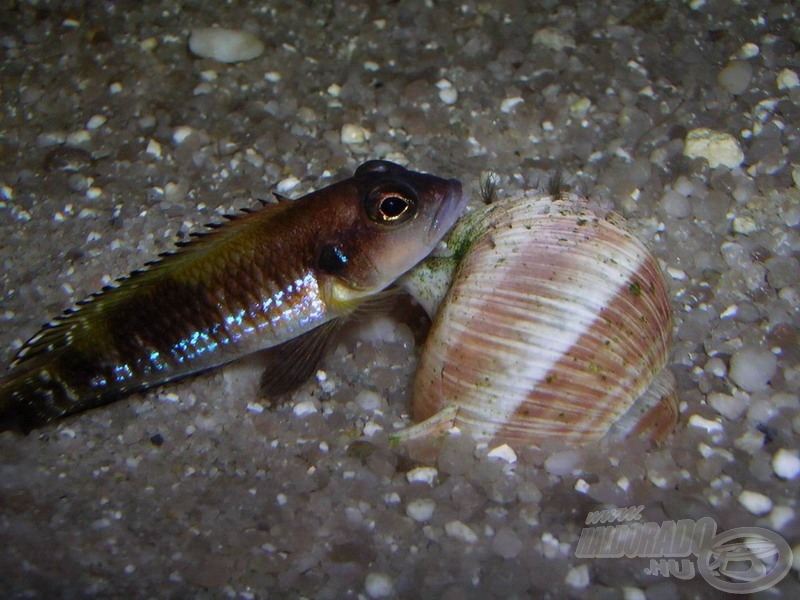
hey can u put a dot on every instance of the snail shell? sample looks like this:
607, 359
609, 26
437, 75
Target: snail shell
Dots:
553, 324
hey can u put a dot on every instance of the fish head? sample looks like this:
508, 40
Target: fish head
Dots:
385, 219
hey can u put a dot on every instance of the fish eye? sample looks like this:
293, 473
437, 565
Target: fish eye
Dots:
391, 205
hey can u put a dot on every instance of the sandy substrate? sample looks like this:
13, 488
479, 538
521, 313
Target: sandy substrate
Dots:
116, 141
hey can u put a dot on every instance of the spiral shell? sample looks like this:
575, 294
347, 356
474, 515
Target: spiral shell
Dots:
555, 327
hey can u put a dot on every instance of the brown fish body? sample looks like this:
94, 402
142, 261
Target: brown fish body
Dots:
264, 279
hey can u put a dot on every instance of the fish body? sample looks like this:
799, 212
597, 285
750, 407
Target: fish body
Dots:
269, 277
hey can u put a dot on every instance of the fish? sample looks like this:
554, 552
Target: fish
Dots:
279, 279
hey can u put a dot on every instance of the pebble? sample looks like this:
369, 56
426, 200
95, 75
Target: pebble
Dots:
730, 407
786, 463
225, 45
787, 80
736, 76
460, 531
508, 104
755, 502
752, 368
717, 147
708, 425
562, 463
422, 475
378, 585
304, 408
354, 134
578, 577
552, 38
506, 543
421, 509
503, 452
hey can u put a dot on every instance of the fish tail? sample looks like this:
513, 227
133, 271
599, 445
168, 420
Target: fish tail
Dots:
42, 390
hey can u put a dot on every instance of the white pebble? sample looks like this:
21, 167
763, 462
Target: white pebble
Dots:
421, 509
787, 80
578, 577
780, 517
717, 147
379, 585
95, 122
255, 408
755, 502
730, 407
448, 95
304, 408
369, 400
371, 428
287, 184
633, 593
422, 475
460, 531
676, 273
354, 134
503, 452
709, 426
181, 133
153, 148
566, 462
752, 368
508, 104
786, 463
225, 45
744, 225
78, 138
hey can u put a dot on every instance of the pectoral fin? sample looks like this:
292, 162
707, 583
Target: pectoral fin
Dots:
290, 364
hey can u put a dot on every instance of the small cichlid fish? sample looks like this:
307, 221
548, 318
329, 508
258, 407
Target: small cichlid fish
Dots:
282, 277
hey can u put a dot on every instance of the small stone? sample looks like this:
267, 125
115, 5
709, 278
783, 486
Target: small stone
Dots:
717, 147
422, 475
225, 45
354, 134
787, 80
578, 577
508, 104
459, 531
566, 462
736, 76
287, 184
503, 452
379, 585
708, 425
755, 502
744, 225
304, 408
552, 38
421, 509
506, 543
752, 368
448, 95
153, 149
786, 463
95, 122
730, 407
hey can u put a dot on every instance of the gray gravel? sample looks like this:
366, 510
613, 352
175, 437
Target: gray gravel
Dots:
116, 141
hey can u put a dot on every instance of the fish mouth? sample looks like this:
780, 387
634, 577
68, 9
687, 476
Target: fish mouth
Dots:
452, 206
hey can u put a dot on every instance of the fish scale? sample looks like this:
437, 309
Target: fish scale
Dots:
265, 278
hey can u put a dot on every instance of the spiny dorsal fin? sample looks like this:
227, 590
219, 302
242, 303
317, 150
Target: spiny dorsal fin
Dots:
59, 333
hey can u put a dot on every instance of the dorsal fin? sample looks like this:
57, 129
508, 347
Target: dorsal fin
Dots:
59, 332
